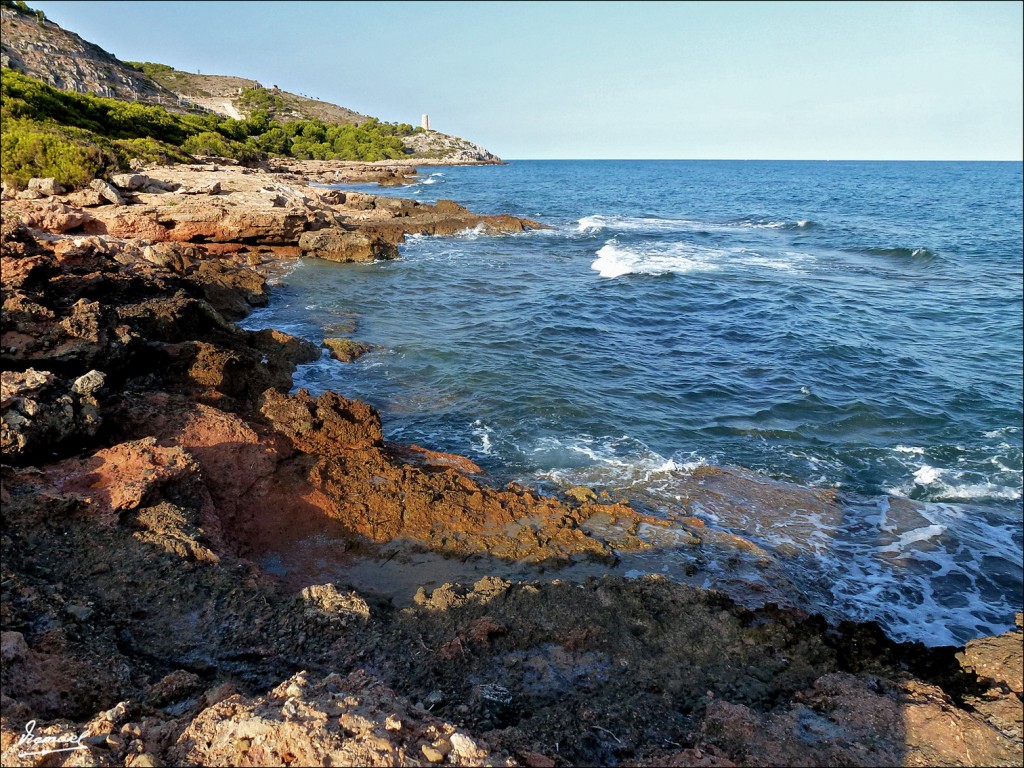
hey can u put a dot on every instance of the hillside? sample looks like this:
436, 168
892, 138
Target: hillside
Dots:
237, 96
44, 50
37, 47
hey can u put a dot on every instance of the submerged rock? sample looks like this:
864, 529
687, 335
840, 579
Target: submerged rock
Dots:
346, 350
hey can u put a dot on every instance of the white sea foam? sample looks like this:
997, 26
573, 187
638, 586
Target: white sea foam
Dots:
909, 449
615, 260
960, 485
600, 222
619, 462
927, 475
483, 433
472, 233
907, 538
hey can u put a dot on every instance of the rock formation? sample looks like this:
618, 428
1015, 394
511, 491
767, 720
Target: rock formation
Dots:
171, 505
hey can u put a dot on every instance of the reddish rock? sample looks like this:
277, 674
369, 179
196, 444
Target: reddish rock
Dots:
54, 217
428, 459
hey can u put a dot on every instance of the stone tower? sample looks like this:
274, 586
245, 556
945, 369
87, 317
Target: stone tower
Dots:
425, 122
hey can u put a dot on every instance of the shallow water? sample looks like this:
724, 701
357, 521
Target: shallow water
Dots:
855, 326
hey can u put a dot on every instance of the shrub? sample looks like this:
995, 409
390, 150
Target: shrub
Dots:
28, 150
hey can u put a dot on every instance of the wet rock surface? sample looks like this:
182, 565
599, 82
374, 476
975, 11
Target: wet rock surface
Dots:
156, 461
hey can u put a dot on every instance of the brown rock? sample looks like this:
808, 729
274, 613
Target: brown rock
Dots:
432, 754
998, 659
426, 458
537, 760
581, 494
449, 206
340, 245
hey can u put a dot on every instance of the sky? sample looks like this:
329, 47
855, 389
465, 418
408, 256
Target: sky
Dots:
686, 80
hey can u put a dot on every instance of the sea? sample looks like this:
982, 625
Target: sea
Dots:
847, 326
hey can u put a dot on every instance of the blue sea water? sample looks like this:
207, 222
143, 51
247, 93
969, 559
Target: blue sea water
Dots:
846, 325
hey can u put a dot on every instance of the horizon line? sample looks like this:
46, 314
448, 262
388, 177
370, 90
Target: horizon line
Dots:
756, 160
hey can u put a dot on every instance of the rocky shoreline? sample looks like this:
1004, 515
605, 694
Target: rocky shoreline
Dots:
153, 458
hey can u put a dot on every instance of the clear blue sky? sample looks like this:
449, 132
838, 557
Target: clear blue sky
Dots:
900, 81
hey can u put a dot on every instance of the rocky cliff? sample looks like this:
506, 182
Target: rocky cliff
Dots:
39, 48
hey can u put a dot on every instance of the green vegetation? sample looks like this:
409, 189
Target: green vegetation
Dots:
150, 68
262, 100
74, 137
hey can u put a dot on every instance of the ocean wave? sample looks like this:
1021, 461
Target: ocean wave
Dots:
615, 260
606, 462
472, 233
937, 484
756, 223
653, 224
918, 254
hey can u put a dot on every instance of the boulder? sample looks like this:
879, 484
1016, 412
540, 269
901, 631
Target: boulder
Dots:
396, 206
52, 216
339, 245
130, 181
107, 191
47, 187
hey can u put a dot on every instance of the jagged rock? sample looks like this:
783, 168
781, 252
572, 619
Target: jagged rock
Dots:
40, 414
89, 384
28, 194
107, 191
47, 187
327, 600
327, 722
581, 494
359, 201
339, 245
173, 687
